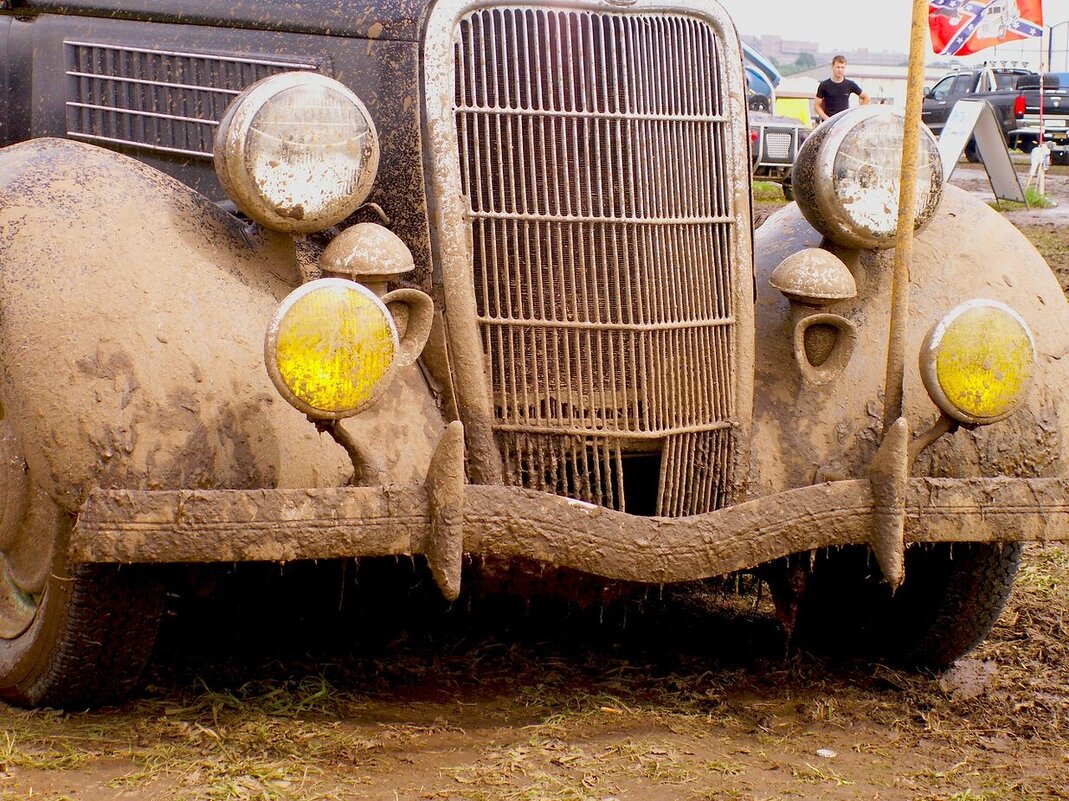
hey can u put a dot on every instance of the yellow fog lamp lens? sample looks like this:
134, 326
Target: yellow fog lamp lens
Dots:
977, 362
331, 348
297, 152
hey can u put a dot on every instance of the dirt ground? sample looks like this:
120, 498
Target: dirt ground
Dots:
676, 695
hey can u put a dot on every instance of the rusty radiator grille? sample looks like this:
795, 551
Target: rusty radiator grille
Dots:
593, 153
157, 100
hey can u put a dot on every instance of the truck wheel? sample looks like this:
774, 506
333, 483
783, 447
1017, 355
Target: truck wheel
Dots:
972, 155
788, 190
69, 635
952, 596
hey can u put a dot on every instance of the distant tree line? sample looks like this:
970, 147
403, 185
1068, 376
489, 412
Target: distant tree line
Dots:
805, 61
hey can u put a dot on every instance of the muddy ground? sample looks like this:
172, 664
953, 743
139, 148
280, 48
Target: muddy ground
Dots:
670, 696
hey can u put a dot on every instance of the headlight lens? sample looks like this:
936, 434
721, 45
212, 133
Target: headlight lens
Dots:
846, 178
297, 152
977, 361
331, 348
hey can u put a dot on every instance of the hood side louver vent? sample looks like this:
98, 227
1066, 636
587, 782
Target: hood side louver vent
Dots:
158, 100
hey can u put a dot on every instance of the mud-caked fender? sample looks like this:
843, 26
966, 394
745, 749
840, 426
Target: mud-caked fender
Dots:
807, 431
132, 321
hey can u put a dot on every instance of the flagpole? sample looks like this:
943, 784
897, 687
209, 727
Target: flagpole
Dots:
1041, 181
894, 380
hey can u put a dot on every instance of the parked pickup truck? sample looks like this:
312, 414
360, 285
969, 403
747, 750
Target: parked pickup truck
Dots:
1055, 118
1014, 94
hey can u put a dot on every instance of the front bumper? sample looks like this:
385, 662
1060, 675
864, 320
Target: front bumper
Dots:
283, 525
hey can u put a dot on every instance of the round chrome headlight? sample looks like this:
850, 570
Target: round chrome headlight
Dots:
977, 361
297, 152
847, 176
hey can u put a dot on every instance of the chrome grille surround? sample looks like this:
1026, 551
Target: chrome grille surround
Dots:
590, 168
158, 100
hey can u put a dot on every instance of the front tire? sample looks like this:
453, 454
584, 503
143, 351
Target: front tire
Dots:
1026, 144
952, 596
82, 635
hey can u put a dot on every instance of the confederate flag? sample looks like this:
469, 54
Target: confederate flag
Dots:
963, 27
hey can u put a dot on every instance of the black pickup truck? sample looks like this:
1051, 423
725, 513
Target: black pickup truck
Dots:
1014, 94
1055, 116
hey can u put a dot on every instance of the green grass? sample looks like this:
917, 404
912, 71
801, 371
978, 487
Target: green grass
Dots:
767, 192
1053, 246
1032, 195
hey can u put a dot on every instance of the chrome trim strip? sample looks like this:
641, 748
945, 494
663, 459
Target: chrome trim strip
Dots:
139, 113
101, 76
179, 54
144, 146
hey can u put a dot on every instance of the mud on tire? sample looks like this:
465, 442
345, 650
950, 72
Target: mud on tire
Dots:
952, 596
91, 637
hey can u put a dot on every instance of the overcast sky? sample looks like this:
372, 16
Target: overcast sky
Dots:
875, 24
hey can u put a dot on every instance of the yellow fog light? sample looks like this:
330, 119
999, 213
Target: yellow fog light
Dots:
977, 361
331, 348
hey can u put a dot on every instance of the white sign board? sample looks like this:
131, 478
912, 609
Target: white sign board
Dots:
976, 119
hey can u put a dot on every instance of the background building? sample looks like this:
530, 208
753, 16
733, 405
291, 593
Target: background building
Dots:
782, 51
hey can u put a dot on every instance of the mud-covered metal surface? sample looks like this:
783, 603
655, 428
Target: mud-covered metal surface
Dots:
592, 228
373, 19
847, 174
815, 277
807, 432
174, 396
130, 369
155, 86
279, 525
131, 339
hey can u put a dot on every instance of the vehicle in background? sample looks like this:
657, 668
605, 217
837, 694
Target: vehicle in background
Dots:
762, 78
1013, 94
1055, 118
996, 85
774, 145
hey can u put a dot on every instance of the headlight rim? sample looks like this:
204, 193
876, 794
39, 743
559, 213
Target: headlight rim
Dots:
230, 152
928, 359
814, 184
271, 338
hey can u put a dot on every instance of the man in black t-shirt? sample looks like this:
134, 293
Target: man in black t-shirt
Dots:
833, 94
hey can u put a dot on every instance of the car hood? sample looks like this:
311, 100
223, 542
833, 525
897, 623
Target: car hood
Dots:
371, 19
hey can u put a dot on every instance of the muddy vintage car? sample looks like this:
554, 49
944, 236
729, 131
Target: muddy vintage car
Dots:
476, 282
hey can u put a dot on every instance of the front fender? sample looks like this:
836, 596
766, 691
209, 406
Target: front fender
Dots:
805, 433
132, 318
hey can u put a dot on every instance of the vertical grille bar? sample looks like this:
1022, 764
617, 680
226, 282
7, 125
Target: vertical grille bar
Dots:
593, 155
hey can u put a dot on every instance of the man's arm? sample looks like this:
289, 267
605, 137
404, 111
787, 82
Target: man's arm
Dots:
862, 95
818, 107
